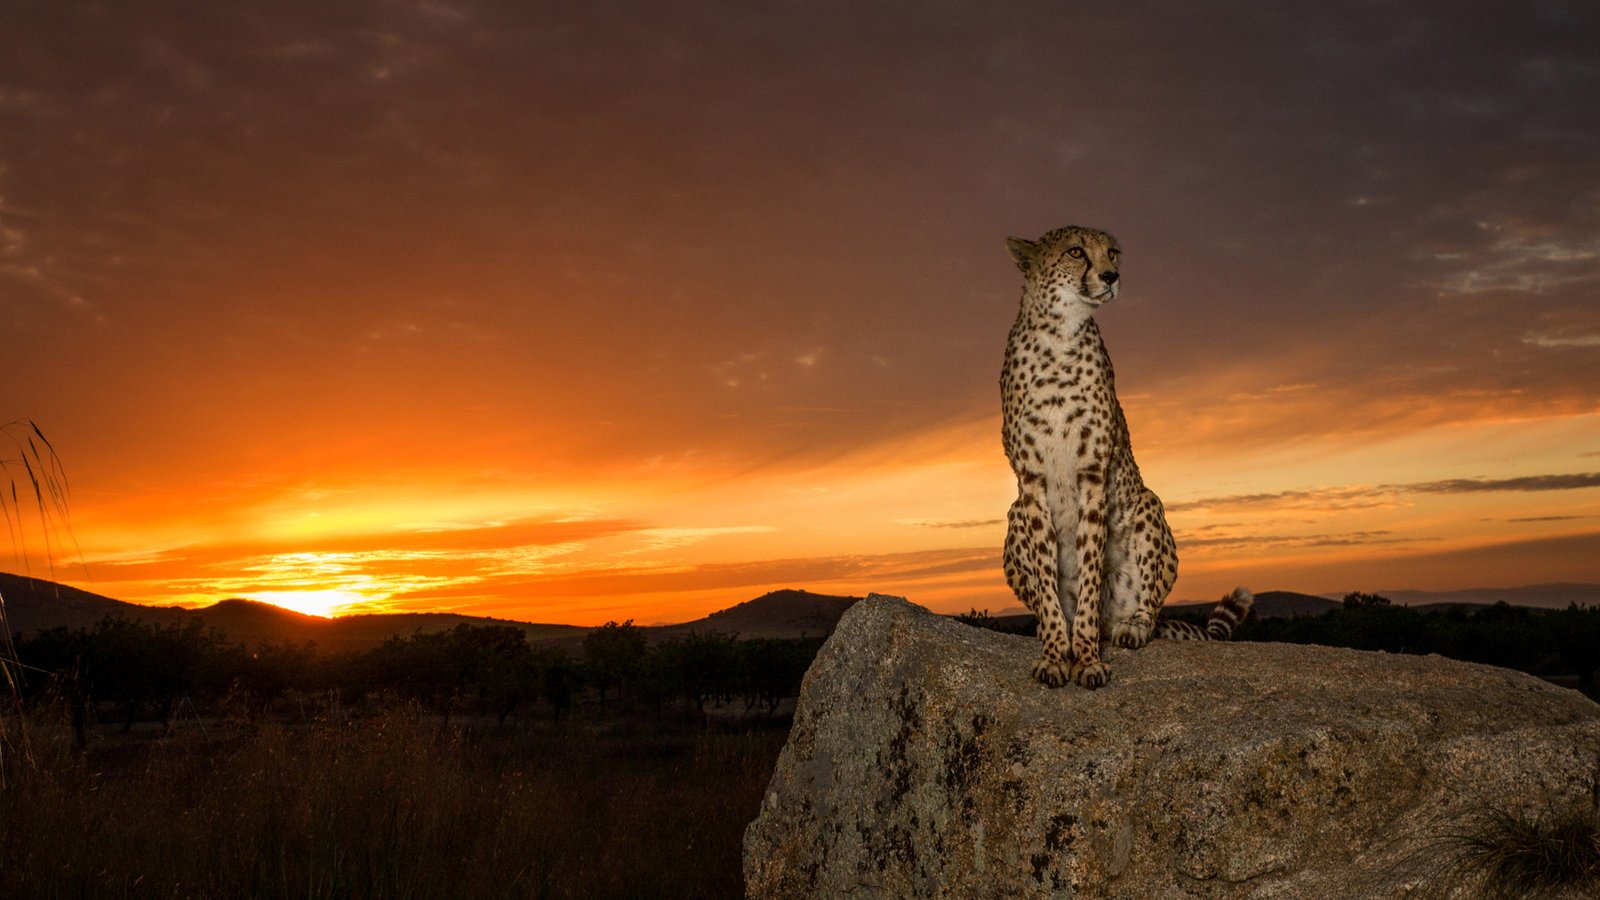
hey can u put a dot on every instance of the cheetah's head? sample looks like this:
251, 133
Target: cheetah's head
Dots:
1069, 263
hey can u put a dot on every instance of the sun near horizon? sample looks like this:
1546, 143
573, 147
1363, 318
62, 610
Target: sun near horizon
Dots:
323, 604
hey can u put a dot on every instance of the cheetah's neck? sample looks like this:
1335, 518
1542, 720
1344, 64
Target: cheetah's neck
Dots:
1065, 317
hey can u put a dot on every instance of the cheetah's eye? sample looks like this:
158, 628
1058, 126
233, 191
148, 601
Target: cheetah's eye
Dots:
1114, 253
1075, 252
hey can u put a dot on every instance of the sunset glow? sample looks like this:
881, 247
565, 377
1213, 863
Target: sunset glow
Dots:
323, 603
564, 316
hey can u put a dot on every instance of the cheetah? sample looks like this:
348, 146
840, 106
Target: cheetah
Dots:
1086, 542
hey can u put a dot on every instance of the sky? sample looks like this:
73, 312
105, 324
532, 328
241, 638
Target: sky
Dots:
580, 312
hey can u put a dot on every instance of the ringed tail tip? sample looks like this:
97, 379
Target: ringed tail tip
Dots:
1228, 613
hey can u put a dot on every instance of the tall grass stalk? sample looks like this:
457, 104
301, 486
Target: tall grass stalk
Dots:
32, 479
31, 463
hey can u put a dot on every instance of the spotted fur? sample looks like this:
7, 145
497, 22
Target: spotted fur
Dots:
1087, 546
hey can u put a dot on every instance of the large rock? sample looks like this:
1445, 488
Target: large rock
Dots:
925, 762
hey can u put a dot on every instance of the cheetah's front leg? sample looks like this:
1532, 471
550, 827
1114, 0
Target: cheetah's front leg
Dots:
1090, 545
1030, 564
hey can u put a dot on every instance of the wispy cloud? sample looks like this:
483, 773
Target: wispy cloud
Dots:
1342, 498
656, 539
1366, 497
1279, 541
33, 274
766, 366
870, 571
1578, 340
1527, 253
956, 523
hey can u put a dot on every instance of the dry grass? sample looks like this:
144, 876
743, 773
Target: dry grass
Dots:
393, 807
1517, 855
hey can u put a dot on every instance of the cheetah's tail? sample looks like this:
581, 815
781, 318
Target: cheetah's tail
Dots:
1225, 617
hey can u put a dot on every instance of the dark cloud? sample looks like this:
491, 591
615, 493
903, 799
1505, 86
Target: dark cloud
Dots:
1347, 498
1528, 483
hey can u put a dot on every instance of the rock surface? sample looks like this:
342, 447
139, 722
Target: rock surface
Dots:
925, 762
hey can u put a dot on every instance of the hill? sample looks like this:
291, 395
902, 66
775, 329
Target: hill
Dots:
778, 614
1287, 604
250, 621
1270, 605
33, 605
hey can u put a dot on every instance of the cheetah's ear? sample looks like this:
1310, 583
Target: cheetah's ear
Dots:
1024, 252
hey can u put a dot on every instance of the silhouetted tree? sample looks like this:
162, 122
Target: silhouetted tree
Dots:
1509, 636
976, 619
498, 663
703, 667
1575, 633
54, 661
138, 665
614, 653
423, 667
263, 674
774, 669
559, 677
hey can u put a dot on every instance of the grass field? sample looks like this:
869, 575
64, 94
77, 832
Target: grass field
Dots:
395, 806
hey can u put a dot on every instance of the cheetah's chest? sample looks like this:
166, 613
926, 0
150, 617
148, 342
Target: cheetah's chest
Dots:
1060, 402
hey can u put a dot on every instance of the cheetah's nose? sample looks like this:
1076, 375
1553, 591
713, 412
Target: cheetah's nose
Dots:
1108, 278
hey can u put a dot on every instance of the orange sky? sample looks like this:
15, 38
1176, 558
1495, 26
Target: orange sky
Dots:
570, 316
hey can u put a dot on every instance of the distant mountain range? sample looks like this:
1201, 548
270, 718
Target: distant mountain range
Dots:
1268, 605
33, 605
1274, 604
1540, 596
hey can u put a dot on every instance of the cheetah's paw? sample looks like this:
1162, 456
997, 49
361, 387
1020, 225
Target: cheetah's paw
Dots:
1091, 674
1134, 633
1051, 672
